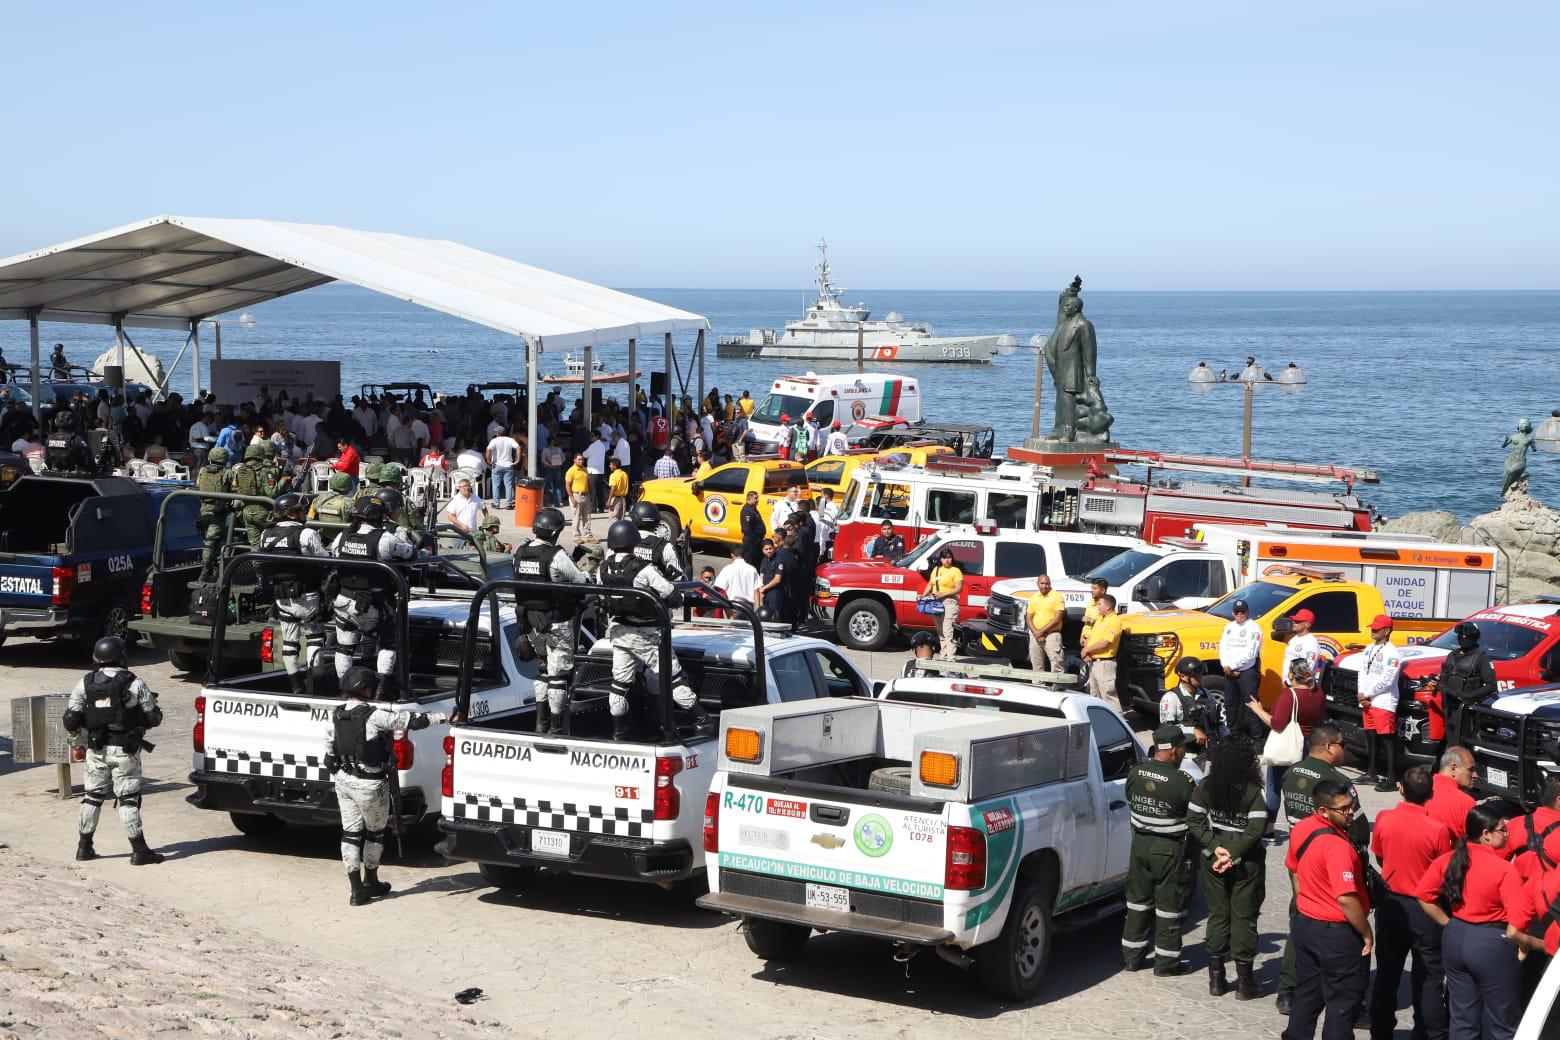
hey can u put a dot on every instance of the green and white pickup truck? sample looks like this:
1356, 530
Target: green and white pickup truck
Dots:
977, 833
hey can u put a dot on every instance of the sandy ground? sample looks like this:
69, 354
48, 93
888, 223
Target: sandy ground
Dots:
234, 936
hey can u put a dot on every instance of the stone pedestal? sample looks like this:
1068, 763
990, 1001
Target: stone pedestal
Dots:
1067, 458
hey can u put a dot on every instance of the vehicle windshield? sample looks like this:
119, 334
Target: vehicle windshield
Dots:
1260, 596
916, 556
1119, 570
12, 392
1501, 641
773, 406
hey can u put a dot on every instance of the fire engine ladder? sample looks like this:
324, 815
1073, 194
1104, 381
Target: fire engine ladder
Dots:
1474, 534
1314, 473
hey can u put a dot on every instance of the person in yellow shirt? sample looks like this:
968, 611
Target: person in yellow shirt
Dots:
1044, 618
944, 582
747, 404
704, 468
1100, 651
1091, 613
576, 481
617, 490
730, 410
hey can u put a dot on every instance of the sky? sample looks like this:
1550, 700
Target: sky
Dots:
1387, 145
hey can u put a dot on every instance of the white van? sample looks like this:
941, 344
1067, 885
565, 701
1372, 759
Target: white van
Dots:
848, 398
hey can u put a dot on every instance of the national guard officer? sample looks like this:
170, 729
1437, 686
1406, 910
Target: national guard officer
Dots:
1466, 677
550, 632
1159, 880
1189, 706
249, 479
65, 450
213, 476
110, 711
333, 505
359, 607
652, 548
358, 757
1227, 817
296, 589
634, 631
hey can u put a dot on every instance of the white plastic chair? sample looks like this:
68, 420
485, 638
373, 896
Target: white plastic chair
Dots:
35, 463
319, 477
140, 469
173, 469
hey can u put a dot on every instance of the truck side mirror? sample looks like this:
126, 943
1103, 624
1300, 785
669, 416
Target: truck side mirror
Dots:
1154, 590
698, 487
1282, 627
1549, 671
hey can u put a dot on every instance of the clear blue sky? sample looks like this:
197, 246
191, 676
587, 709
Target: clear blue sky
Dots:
1147, 145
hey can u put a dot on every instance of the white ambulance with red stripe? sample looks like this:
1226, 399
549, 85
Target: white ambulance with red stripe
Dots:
849, 399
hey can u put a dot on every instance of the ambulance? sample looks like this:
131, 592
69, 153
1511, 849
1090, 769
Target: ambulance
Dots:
848, 398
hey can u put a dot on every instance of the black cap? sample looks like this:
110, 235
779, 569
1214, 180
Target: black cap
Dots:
1240, 606
358, 678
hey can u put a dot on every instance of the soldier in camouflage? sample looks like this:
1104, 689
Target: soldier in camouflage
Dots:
278, 481
487, 537
1159, 877
213, 476
332, 506
249, 478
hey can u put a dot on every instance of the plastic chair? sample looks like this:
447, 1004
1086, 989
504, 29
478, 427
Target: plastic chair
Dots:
319, 477
173, 469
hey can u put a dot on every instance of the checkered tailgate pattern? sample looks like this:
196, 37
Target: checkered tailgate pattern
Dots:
264, 763
557, 816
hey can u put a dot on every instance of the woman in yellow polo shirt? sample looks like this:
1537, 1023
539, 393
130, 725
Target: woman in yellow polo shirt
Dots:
944, 582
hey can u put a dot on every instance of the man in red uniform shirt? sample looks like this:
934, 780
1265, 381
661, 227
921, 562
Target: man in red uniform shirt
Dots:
1450, 801
1405, 841
346, 459
1332, 936
1545, 823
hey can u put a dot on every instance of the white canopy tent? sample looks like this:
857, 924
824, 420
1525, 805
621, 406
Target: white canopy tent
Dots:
174, 272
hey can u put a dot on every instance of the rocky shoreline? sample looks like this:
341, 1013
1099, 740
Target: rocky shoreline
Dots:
1525, 529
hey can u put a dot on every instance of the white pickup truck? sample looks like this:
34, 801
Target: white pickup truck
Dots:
515, 800
259, 748
974, 815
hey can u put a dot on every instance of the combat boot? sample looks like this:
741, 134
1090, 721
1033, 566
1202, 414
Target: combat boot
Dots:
620, 727
84, 849
561, 718
372, 885
360, 895
1218, 985
1285, 999
1169, 969
703, 722
1246, 987
387, 690
543, 715
296, 680
141, 854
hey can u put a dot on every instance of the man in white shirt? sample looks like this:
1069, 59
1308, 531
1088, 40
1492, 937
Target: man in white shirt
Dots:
466, 509
814, 436
1377, 693
1302, 646
308, 430
201, 433
364, 416
827, 518
784, 508
419, 435
472, 459
1240, 653
620, 449
837, 443
739, 580
502, 451
596, 465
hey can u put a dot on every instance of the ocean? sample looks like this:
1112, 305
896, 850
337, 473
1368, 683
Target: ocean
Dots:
1419, 386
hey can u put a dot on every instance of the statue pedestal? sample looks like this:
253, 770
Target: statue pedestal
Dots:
1067, 458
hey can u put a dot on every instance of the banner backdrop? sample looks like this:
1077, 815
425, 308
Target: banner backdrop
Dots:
236, 380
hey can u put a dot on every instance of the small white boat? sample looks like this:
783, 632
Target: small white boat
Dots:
574, 372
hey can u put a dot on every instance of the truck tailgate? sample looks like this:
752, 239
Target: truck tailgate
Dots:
837, 843
265, 735
25, 582
557, 785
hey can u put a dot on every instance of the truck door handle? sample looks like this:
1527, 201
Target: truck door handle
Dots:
286, 706
551, 749
1117, 804
834, 815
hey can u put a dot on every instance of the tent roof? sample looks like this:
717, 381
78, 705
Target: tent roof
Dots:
167, 271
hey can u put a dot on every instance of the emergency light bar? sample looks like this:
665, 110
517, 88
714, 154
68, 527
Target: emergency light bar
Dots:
1317, 573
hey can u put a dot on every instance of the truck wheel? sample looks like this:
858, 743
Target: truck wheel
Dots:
122, 608
893, 779
257, 825
185, 661
865, 624
774, 940
669, 527
1012, 965
510, 879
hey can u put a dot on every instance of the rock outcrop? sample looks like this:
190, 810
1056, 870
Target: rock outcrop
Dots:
1526, 530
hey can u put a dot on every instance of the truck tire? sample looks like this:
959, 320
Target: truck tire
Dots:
892, 779
123, 606
774, 940
669, 527
865, 624
185, 661
510, 879
257, 825
1012, 966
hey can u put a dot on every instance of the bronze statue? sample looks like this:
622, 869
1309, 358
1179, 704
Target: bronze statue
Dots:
1520, 442
1070, 355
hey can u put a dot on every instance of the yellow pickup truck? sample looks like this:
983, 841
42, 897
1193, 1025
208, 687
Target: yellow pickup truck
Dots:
1154, 641
833, 471
712, 507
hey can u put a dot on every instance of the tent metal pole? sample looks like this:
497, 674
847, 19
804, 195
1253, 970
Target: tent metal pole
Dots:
590, 355
37, 374
119, 343
195, 357
633, 375
218, 326
671, 408
698, 349
532, 347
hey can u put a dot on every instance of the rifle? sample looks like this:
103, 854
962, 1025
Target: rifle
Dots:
394, 776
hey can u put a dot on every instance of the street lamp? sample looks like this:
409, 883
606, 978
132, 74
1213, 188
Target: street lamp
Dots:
1291, 380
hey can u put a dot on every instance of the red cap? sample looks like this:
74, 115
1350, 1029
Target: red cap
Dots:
1379, 622
1303, 615
836, 424
785, 418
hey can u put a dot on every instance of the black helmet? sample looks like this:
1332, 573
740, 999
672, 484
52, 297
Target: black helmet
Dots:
358, 678
548, 525
622, 536
64, 420
1191, 666
1240, 606
370, 509
290, 503
394, 501
645, 516
1467, 634
765, 614
109, 650
923, 638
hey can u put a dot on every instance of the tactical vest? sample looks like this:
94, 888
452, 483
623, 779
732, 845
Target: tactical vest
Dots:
620, 572
534, 563
359, 545
271, 480
285, 538
112, 714
210, 478
650, 549
1462, 674
246, 480
331, 506
352, 744
56, 451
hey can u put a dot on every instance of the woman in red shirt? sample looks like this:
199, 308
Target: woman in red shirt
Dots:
1479, 898
1302, 704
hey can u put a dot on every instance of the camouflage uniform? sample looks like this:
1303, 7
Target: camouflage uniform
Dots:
487, 538
249, 478
332, 505
113, 758
213, 476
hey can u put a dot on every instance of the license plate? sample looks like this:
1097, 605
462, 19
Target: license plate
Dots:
827, 897
1497, 777
551, 843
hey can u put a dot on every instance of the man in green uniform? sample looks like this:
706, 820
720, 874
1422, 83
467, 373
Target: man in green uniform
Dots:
332, 506
1227, 817
392, 476
487, 536
1159, 878
1324, 753
213, 476
249, 479
369, 485
277, 480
